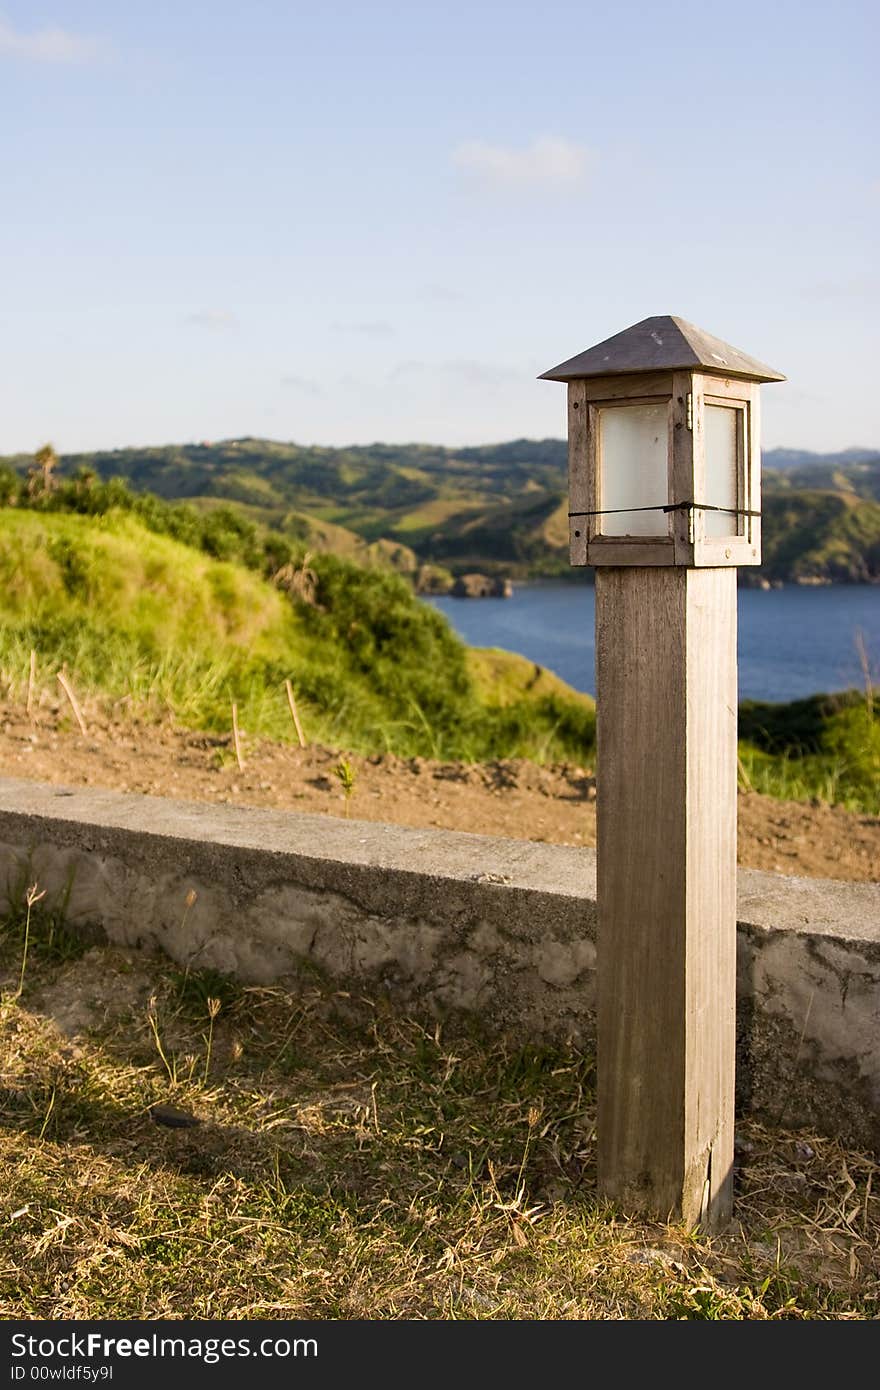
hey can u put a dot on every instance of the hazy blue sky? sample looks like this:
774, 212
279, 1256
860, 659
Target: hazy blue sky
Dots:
378, 221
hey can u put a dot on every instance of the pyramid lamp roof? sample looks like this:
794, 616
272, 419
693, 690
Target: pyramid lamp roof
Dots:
662, 343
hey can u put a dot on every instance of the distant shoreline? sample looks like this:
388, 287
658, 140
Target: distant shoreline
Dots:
585, 575
794, 641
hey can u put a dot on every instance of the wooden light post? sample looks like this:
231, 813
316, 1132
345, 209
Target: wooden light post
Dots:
664, 497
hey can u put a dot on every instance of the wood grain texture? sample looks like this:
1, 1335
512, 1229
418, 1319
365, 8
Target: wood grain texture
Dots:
580, 495
631, 550
640, 386
594, 465
710, 983
754, 480
682, 467
666, 706
744, 549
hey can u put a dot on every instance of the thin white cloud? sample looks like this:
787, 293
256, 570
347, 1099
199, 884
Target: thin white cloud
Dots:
377, 328
215, 320
50, 45
547, 161
440, 294
463, 372
858, 287
303, 384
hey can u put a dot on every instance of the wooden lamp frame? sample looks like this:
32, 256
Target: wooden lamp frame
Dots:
685, 394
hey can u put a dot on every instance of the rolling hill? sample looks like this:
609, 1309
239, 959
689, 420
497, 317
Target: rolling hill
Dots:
496, 508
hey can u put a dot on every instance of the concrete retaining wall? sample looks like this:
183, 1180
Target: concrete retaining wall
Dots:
444, 921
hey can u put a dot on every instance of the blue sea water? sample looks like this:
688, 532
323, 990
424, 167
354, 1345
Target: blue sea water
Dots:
792, 642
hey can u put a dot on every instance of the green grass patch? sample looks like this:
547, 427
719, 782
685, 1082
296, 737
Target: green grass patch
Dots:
824, 748
432, 515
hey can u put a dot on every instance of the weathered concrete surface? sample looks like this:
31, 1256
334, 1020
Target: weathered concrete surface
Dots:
445, 921
441, 919
808, 1002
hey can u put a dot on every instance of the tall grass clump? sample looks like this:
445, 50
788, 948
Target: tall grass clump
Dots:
824, 748
31, 931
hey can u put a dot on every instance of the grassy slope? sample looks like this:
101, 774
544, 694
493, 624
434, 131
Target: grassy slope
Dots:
130, 611
835, 535
111, 573
857, 471
323, 537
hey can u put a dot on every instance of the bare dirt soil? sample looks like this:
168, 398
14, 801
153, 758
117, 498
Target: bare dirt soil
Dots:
517, 799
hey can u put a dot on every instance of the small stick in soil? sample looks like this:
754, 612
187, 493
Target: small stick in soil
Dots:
235, 737
32, 675
74, 704
290, 700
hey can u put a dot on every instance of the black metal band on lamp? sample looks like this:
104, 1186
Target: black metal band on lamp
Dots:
671, 507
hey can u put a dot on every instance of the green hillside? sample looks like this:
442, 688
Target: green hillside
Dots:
108, 575
132, 611
499, 509
810, 535
854, 470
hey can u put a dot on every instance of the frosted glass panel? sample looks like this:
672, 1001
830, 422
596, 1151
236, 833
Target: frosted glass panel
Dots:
722, 426
632, 469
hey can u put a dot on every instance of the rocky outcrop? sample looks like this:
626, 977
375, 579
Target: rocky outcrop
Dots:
433, 579
481, 586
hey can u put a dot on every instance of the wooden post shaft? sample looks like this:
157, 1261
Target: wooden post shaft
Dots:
667, 707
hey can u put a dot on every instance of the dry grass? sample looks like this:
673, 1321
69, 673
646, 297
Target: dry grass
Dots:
351, 1163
